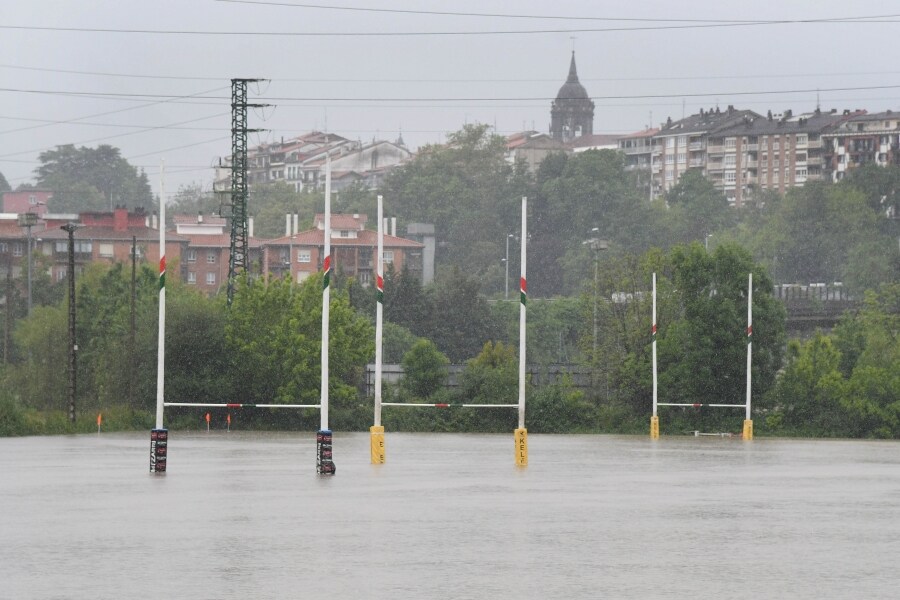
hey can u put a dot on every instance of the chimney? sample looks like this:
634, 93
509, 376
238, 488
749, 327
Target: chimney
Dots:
394, 226
199, 217
384, 225
287, 225
120, 219
154, 220
296, 223
147, 221
250, 227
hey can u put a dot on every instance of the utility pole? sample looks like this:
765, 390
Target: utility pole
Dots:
73, 346
239, 189
131, 341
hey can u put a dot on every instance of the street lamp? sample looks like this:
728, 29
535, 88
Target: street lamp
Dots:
596, 245
506, 260
73, 346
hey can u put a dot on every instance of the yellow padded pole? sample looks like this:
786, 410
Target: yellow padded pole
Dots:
654, 428
376, 441
521, 436
748, 430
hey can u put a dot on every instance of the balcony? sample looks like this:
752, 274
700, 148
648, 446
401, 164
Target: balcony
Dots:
696, 162
696, 146
717, 149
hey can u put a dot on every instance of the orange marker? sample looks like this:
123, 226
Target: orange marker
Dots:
229, 421
207, 422
99, 421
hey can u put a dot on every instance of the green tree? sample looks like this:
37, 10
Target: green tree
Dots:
460, 320
702, 355
424, 369
4, 184
192, 199
274, 336
697, 207
85, 179
468, 190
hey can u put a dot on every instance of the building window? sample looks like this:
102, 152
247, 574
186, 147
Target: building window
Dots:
60, 274
730, 177
670, 142
682, 140
670, 159
191, 255
106, 250
211, 257
388, 257
800, 157
730, 160
345, 233
32, 199
211, 278
682, 157
730, 142
17, 249
801, 174
775, 145
670, 175
192, 278
801, 139
4, 247
304, 256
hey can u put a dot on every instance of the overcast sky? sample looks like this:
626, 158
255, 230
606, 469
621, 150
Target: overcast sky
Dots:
131, 87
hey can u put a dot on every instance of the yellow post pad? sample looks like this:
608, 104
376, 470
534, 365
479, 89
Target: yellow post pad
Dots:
748, 430
376, 440
521, 436
654, 428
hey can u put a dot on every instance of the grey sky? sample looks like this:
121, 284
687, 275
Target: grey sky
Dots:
523, 71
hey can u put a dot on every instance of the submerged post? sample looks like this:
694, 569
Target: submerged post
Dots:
159, 436
654, 420
748, 422
376, 432
324, 457
521, 434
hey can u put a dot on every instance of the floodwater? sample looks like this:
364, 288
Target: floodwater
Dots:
244, 516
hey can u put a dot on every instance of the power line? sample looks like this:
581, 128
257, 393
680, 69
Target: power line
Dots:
846, 20
104, 95
171, 100
119, 125
466, 80
521, 16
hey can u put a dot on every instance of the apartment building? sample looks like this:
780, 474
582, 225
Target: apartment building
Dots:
682, 145
300, 162
863, 138
205, 259
354, 250
776, 152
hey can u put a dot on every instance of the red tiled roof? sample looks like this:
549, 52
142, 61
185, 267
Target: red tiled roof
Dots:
343, 221
144, 234
641, 134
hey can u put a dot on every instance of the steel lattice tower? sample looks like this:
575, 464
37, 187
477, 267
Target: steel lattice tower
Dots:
239, 246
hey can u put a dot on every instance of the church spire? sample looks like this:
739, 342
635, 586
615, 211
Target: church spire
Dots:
573, 73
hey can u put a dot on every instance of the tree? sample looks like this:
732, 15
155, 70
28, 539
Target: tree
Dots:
192, 199
273, 333
85, 179
4, 184
269, 203
424, 369
698, 208
468, 190
702, 355
460, 321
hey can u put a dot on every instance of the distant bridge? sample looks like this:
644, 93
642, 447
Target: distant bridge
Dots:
814, 306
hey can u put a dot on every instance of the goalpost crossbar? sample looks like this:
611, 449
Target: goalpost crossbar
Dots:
447, 405
240, 405
701, 404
